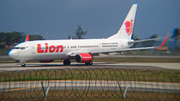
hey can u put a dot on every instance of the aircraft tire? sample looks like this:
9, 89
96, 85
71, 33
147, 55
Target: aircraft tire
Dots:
66, 62
89, 63
23, 65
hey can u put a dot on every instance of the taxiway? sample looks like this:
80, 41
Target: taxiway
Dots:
57, 65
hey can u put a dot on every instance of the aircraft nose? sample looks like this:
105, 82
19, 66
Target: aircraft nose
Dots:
13, 54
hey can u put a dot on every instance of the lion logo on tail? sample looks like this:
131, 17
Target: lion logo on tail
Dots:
129, 27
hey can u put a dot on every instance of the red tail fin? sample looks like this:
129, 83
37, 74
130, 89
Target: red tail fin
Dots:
27, 37
165, 41
162, 47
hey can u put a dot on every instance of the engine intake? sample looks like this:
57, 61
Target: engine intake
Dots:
83, 57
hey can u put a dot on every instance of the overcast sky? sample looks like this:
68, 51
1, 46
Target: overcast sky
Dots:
59, 18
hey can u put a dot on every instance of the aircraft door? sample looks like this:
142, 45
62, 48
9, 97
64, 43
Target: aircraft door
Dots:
120, 44
33, 50
77, 48
100, 46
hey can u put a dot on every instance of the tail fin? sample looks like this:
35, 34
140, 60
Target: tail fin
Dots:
26, 38
165, 41
162, 46
125, 32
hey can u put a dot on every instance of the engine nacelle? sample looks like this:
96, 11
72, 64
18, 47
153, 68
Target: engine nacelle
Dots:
83, 57
46, 61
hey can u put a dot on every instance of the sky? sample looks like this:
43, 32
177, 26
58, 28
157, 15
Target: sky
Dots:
56, 19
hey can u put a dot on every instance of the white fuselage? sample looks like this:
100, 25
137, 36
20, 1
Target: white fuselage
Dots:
49, 49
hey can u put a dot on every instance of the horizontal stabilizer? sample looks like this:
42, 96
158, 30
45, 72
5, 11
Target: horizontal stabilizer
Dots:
137, 41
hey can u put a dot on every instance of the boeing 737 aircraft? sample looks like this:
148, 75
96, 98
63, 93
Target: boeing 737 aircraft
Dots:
81, 50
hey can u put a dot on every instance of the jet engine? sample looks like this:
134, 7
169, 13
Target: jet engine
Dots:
83, 57
46, 61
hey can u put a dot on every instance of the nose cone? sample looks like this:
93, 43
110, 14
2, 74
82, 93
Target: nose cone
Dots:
13, 54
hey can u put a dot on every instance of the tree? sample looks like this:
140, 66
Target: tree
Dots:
2, 37
15, 37
8, 38
36, 37
71, 37
79, 33
150, 43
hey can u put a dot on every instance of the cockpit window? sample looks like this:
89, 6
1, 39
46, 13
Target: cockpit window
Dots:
16, 47
22, 47
19, 48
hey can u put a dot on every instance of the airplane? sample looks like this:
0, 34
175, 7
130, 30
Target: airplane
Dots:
81, 50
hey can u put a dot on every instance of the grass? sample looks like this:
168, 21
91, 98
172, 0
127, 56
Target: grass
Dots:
4, 51
88, 96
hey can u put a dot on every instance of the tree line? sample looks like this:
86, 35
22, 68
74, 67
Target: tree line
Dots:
15, 37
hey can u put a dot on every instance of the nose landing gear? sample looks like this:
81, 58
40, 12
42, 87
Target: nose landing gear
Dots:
23, 65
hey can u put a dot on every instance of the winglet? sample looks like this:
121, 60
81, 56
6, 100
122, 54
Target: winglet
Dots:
26, 38
165, 41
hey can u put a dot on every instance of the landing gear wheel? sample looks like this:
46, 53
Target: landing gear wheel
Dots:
89, 63
23, 65
66, 62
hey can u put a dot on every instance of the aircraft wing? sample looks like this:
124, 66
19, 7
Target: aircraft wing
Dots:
137, 41
72, 54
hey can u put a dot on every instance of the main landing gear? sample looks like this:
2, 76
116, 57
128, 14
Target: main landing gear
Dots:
89, 63
66, 62
22, 63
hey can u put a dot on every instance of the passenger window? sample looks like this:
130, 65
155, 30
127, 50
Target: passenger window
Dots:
22, 48
16, 47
